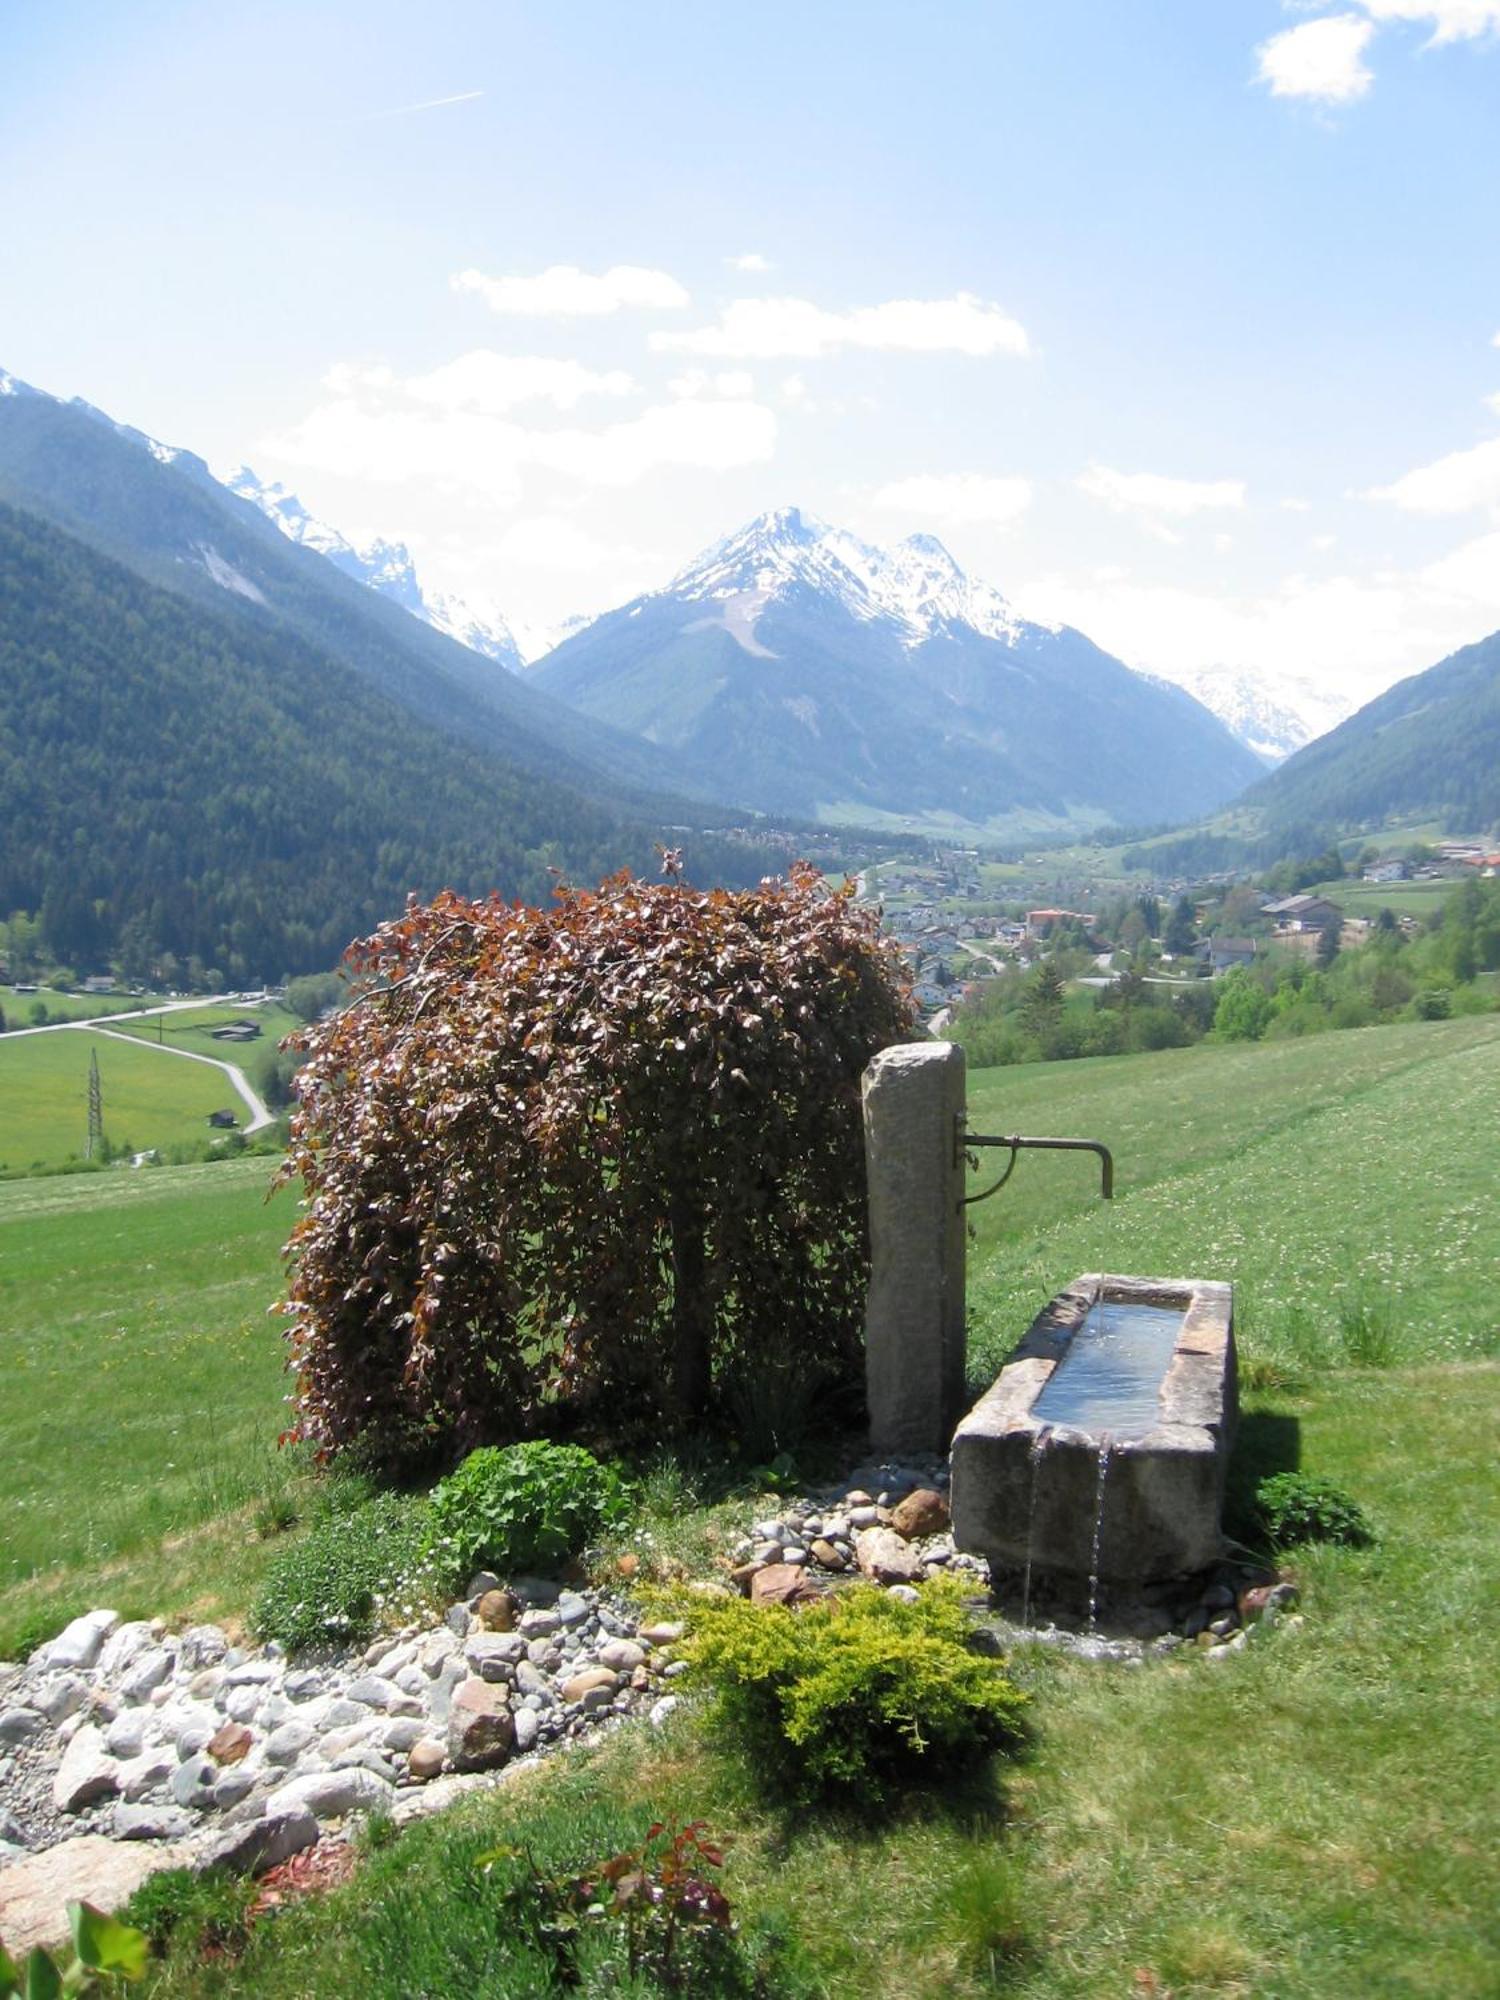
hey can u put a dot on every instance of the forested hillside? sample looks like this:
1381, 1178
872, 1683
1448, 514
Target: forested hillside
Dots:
1429, 745
174, 780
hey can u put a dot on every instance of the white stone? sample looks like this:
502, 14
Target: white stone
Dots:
80, 1643
87, 1772
35, 1892
332, 1794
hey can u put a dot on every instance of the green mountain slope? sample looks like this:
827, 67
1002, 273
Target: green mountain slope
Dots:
1428, 746
163, 515
219, 788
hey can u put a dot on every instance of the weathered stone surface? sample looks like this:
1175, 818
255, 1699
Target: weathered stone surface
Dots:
202, 1646
1022, 1489
286, 1744
782, 1583
87, 1772
622, 1656
663, 1632
59, 1696
151, 1822
425, 1760
193, 1781
147, 1674
914, 1319
481, 1728
331, 1794
259, 1844
229, 1745
922, 1513
20, 1725
884, 1557
489, 1652
497, 1611
80, 1643
587, 1680
35, 1892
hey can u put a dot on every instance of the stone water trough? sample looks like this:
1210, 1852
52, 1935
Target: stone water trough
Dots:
1101, 1449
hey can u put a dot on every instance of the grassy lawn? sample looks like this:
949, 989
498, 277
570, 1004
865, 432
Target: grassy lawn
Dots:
192, 1028
1313, 1819
141, 1383
149, 1099
16, 1007
1406, 899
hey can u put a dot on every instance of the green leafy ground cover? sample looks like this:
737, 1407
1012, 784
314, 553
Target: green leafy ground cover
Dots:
149, 1098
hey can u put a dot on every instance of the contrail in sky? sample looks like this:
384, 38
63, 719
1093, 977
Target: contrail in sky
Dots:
429, 104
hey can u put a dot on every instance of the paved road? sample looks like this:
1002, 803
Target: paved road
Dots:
99, 1024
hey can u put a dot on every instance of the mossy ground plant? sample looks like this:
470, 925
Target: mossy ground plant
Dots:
523, 1507
851, 1696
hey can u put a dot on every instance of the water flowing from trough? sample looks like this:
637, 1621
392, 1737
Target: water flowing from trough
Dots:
1038, 1446
1104, 1450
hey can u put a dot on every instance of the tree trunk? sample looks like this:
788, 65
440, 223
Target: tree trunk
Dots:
691, 1323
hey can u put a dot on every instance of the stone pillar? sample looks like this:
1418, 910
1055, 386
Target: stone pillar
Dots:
914, 1317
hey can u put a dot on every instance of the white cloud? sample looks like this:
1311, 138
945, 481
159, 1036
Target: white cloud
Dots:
487, 381
1150, 493
797, 330
751, 260
1492, 402
1348, 635
553, 542
396, 437
1297, 506
1323, 60
563, 291
957, 499
727, 382
1322, 543
1450, 485
1450, 20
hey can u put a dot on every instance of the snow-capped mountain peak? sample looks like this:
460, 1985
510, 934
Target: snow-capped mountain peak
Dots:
916, 585
386, 567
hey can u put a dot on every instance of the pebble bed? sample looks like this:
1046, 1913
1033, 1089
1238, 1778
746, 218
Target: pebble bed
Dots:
240, 1754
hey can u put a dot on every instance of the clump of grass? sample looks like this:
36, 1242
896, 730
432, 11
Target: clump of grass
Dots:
1301, 1507
1367, 1332
352, 1572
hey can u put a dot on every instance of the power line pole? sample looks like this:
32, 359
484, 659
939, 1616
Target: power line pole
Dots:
96, 1106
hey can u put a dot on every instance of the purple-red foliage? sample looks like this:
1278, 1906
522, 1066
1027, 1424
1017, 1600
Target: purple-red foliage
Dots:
604, 1158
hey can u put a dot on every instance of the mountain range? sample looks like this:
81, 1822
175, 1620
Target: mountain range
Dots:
806, 671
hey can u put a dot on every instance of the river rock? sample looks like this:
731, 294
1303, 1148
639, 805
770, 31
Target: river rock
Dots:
885, 1557
87, 1772
589, 1679
80, 1643
622, 1656
332, 1794
20, 1725
151, 1822
481, 1728
497, 1611
783, 1583
924, 1512
258, 1844
425, 1760
229, 1745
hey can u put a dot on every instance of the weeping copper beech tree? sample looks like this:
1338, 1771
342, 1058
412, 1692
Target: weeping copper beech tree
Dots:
597, 1164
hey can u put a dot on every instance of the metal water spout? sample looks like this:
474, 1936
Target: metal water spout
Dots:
965, 1141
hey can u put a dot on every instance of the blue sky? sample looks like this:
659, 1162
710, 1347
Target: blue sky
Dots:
1177, 319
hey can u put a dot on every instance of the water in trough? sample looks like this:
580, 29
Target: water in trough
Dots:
1109, 1379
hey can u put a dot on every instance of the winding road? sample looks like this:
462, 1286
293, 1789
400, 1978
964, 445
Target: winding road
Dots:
99, 1024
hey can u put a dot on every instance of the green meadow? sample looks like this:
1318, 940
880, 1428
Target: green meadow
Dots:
148, 1098
1313, 1817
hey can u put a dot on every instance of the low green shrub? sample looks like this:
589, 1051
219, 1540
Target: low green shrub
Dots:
1300, 1507
375, 1564
523, 1507
854, 1694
